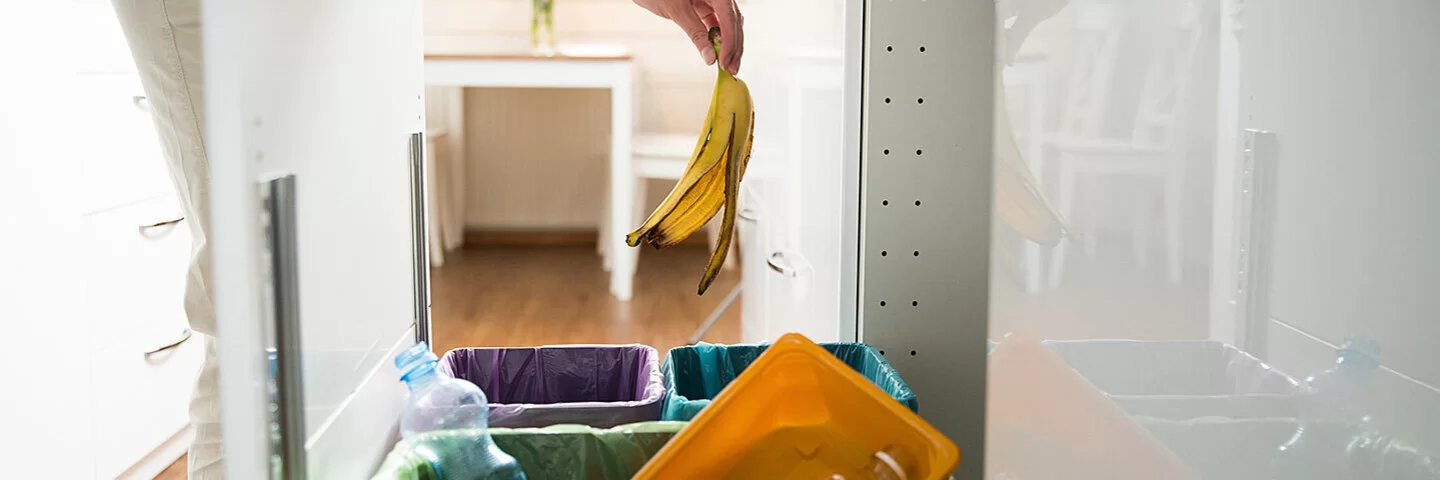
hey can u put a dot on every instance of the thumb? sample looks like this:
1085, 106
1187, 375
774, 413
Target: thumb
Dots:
699, 35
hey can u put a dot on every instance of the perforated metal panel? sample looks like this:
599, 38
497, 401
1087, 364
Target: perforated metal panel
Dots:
924, 204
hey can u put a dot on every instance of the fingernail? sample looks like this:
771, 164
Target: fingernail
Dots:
708, 55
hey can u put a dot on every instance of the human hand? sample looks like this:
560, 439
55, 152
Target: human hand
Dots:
696, 17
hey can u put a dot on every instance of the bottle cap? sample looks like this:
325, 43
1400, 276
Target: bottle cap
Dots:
417, 354
1361, 347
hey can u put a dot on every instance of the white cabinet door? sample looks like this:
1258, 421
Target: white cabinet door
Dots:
330, 93
793, 255
117, 153
136, 262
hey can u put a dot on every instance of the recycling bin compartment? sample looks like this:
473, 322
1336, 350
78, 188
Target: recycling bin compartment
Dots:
557, 452
596, 385
694, 374
1181, 379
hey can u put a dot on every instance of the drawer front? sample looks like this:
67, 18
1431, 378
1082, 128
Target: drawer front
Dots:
135, 280
115, 142
140, 401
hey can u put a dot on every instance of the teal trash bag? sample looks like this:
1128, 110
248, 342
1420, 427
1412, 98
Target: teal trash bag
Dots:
695, 374
556, 452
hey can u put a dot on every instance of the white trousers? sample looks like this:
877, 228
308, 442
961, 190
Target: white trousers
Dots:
164, 38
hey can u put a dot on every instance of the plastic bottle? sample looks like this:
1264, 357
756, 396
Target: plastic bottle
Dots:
440, 402
1334, 414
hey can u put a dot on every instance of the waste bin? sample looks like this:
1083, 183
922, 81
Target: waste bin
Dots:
800, 412
694, 374
596, 385
1181, 379
557, 452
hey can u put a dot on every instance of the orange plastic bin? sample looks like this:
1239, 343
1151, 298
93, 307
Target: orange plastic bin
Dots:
799, 412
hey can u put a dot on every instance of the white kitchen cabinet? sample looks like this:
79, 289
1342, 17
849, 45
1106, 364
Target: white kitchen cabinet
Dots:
93, 263
134, 283
791, 243
108, 286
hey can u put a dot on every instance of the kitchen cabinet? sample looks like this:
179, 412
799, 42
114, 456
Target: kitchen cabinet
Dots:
94, 255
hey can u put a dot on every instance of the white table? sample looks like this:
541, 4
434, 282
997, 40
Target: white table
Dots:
604, 68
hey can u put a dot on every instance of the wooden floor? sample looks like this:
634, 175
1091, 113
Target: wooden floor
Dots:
176, 471
528, 296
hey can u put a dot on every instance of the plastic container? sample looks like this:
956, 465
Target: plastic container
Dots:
799, 412
1181, 379
557, 452
1242, 449
1334, 411
438, 403
1044, 420
695, 374
597, 385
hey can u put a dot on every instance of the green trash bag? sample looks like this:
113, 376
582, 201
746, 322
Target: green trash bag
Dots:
557, 452
695, 374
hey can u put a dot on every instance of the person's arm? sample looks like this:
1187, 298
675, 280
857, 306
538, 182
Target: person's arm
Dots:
696, 17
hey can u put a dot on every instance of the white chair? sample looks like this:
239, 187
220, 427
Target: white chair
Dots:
1151, 149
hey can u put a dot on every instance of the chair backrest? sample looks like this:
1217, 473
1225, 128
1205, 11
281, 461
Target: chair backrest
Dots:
1168, 82
1095, 39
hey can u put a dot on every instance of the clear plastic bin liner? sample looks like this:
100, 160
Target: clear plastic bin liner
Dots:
596, 385
1181, 379
695, 374
1242, 449
557, 452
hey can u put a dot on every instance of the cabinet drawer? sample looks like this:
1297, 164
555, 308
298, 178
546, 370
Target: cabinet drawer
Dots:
140, 401
115, 142
135, 273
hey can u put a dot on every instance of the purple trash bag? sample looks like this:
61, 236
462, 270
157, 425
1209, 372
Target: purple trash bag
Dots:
602, 386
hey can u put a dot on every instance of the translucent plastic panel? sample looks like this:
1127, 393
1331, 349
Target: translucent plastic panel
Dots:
1244, 190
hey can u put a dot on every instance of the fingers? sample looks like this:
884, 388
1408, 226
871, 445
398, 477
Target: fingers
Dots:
706, 14
698, 33
732, 37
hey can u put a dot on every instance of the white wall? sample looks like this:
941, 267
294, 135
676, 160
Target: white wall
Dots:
1348, 90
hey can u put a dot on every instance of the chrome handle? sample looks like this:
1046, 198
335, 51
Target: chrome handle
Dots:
184, 336
288, 427
145, 229
419, 237
141, 103
788, 263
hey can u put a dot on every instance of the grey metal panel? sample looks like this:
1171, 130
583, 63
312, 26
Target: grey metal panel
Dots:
926, 183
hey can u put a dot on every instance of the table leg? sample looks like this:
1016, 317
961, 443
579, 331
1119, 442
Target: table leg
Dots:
623, 258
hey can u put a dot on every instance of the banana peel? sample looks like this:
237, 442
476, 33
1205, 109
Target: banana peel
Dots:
722, 153
712, 175
1019, 203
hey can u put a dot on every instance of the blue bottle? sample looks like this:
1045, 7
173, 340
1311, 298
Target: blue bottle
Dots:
1334, 414
441, 402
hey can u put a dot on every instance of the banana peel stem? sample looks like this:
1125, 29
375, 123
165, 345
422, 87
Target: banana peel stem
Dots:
733, 164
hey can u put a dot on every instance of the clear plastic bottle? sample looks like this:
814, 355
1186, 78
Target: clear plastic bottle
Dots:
440, 402
1334, 413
